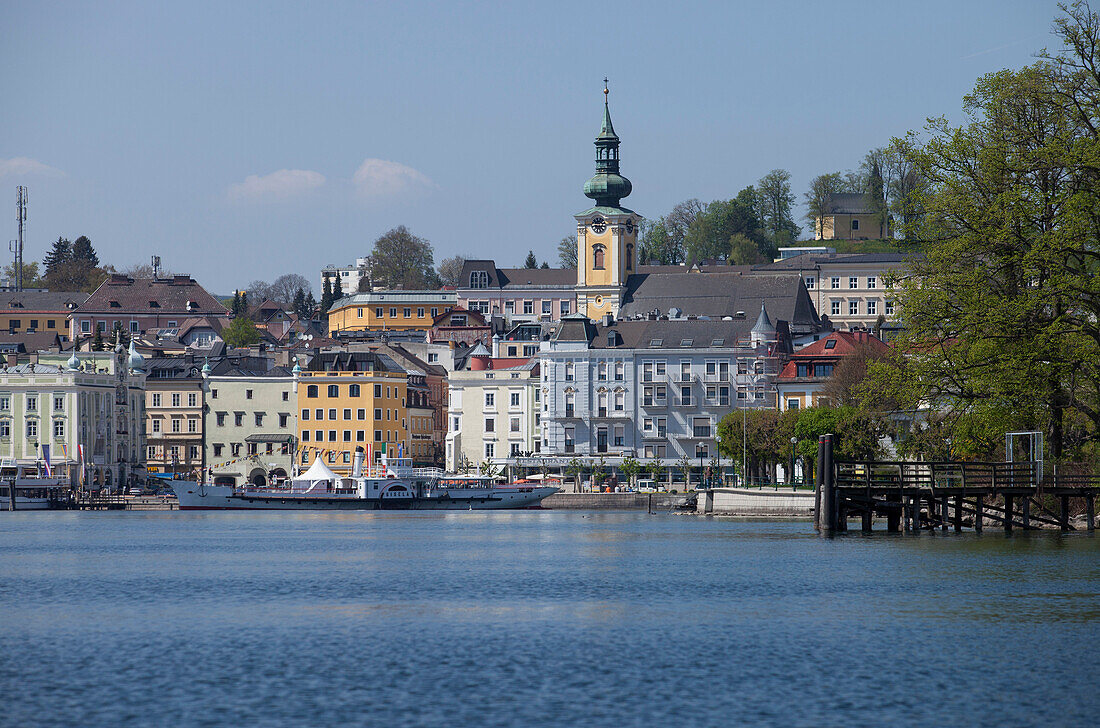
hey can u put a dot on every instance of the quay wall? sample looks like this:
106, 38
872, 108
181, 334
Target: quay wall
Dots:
756, 502
613, 501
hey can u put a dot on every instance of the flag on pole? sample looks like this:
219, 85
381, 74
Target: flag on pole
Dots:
46, 459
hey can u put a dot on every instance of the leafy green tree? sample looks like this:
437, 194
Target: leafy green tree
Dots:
83, 252
630, 467
567, 252
241, 332
817, 198
775, 202
31, 276
61, 252
299, 304
97, 340
403, 260
724, 223
545, 265
531, 261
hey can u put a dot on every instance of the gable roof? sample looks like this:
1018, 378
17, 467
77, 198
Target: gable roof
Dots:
517, 277
833, 347
847, 203
34, 301
152, 296
810, 261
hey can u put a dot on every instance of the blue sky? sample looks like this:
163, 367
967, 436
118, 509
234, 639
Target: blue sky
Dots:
246, 140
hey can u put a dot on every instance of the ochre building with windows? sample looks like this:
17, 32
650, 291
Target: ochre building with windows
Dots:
348, 400
389, 311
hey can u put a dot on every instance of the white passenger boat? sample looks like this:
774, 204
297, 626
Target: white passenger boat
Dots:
33, 490
395, 485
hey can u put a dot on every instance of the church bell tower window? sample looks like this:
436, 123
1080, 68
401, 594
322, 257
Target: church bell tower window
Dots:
597, 257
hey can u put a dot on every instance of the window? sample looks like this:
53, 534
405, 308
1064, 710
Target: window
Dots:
793, 404
853, 308
318, 435
32, 403
5, 428
570, 372
311, 391
834, 308
192, 399
685, 371
32, 429
5, 403
305, 415
853, 281
379, 312
213, 394
834, 282
238, 419
620, 401
490, 449
811, 281
700, 427
570, 405
378, 436
286, 396
830, 344
406, 312
490, 400
259, 419
855, 224
85, 327
724, 396
59, 429
333, 390
393, 312
601, 371
377, 413
565, 308
685, 395
420, 312
192, 425
872, 282
662, 426
59, 403
597, 256
218, 447
456, 422
251, 448
176, 399
332, 435
360, 436
889, 308
513, 424
872, 307
547, 306
711, 394
479, 279
378, 390
193, 452
602, 404
248, 394
823, 370
347, 435
570, 438
359, 312
620, 370
434, 312
701, 450
156, 399
283, 419
620, 436
513, 399
220, 416
361, 414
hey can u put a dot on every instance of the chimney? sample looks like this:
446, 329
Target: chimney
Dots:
608, 320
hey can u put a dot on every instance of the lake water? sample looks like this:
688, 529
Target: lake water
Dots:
537, 619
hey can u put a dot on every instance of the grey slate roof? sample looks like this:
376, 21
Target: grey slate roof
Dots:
41, 300
721, 294
848, 203
809, 261
134, 296
517, 277
672, 335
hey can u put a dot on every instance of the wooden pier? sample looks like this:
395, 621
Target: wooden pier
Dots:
927, 496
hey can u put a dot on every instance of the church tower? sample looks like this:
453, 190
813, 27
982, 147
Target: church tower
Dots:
607, 234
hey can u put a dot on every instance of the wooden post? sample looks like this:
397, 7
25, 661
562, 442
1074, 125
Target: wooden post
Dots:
893, 516
868, 513
1063, 517
958, 513
978, 506
944, 507
1025, 512
914, 505
1008, 513
1090, 512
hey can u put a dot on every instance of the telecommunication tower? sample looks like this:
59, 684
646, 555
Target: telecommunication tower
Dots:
17, 245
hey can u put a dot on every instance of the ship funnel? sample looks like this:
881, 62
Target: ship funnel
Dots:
357, 467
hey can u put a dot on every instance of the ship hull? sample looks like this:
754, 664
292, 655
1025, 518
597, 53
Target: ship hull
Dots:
193, 496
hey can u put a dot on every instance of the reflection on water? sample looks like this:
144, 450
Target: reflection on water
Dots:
537, 618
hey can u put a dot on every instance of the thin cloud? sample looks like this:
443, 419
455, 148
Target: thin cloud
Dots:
380, 177
23, 166
280, 185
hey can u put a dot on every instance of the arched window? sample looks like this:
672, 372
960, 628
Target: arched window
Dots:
311, 390
333, 390
479, 279
353, 390
597, 257
629, 256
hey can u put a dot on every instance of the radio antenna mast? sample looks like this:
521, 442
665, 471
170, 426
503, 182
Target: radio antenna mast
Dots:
17, 245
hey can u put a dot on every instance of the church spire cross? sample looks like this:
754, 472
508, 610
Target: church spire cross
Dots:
607, 187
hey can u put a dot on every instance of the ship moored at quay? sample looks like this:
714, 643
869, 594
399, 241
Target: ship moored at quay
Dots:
395, 485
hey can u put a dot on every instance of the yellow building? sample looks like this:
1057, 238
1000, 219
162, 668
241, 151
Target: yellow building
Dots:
348, 400
849, 217
389, 311
607, 234
37, 311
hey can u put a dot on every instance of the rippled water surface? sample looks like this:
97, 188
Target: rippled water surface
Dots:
537, 619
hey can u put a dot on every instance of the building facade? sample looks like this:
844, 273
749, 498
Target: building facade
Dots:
495, 414
848, 216
174, 416
389, 311
90, 413
137, 305
351, 400
801, 382
250, 425
517, 294
23, 312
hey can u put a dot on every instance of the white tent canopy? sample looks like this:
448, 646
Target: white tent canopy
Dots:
318, 472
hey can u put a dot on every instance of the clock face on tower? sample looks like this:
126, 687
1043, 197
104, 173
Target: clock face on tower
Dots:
599, 225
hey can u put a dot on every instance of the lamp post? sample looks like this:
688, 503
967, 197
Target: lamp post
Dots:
794, 444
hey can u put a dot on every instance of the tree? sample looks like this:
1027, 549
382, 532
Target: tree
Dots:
337, 290
630, 467
311, 305
531, 261
84, 252
60, 254
711, 233
545, 265
286, 287
235, 308
326, 296
403, 260
817, 199
97, 340
145, 270
775, 203
567, 252
299, 304
450, 270
879, 186
120, 334
258, 291
657, 244
241, 332
846, 385
31, 277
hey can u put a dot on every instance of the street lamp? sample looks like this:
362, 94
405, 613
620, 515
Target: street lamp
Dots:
794, 443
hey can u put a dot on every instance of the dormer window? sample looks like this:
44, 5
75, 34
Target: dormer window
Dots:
115, 304
154, 304
479, 279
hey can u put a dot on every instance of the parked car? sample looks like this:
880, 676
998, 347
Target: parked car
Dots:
135, 492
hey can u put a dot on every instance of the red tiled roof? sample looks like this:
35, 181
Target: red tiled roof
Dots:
136, 296
845, 343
